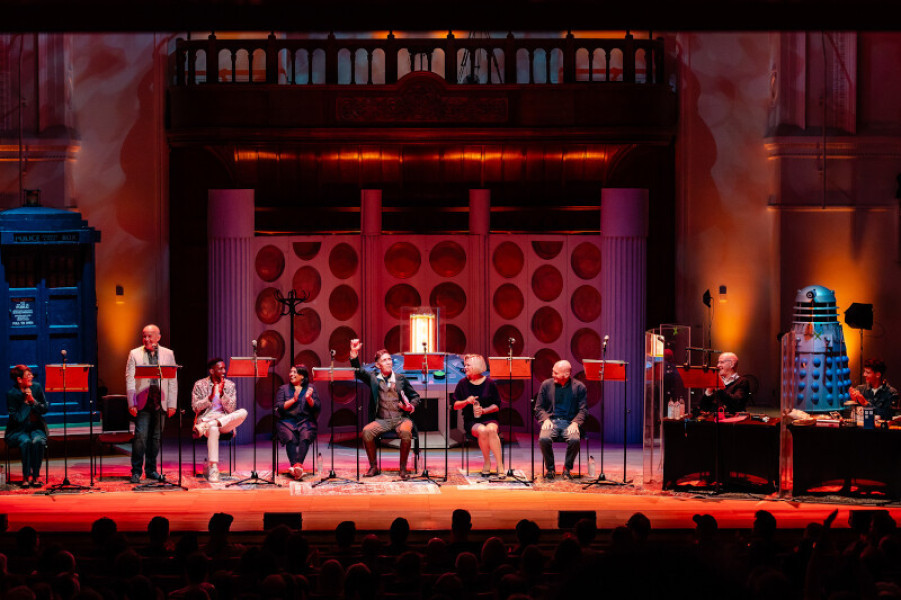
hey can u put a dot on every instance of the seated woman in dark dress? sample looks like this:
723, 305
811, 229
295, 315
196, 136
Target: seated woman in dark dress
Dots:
26, 428
478, 398
298, 410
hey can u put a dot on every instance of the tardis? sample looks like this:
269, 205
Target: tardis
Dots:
48, 284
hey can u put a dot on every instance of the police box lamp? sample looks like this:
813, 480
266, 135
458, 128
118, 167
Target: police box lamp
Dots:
419, 329
32, 197
120, 294
859, 316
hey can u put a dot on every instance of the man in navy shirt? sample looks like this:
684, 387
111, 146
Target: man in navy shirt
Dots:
561, 409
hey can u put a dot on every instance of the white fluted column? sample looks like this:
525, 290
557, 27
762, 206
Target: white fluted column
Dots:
479, 230
372, 268
230, 244
624, 232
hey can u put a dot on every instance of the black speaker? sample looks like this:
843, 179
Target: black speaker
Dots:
859, 316
292, 520
567, 519
4, 522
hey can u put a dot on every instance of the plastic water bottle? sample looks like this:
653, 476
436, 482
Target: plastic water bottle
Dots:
681, 408
592, 469
319, 463
2, 476
671, 410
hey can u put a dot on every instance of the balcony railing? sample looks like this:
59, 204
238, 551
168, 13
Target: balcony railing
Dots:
473, 60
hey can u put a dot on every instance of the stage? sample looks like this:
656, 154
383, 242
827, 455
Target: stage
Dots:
374, 502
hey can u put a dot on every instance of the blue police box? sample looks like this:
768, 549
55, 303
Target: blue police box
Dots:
48, 285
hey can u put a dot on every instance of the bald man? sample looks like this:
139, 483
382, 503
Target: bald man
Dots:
735, 390
150, 401
561, 408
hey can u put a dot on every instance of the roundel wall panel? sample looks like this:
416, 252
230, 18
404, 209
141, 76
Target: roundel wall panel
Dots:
423, 271
324, 274
545, 295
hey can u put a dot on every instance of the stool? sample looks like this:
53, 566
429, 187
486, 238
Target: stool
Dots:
230, 450
9, 449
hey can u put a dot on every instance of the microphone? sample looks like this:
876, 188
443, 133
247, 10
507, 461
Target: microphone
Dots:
253, 343
511, 341
332, 352
63, 352
606, 339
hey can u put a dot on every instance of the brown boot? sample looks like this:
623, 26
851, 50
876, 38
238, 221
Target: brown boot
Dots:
404, 453
369, 445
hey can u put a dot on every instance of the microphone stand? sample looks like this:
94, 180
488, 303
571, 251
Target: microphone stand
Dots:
510, 474
425, 476
66, 486
601, 479
254, 478
332, 477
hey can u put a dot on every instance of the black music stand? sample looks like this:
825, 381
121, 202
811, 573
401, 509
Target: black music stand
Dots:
160, 372
608, 370
510, 368
426, 362
67, 378
703, 377
255, 367
331, 374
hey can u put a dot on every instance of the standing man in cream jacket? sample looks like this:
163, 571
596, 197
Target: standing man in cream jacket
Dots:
150, 401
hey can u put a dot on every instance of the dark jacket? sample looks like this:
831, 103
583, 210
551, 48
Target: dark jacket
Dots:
544, 405
301, 413
20, 412
371, 378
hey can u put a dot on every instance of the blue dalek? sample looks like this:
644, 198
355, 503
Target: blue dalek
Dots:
818, 378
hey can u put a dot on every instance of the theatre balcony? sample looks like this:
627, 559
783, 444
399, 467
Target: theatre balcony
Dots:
588, 88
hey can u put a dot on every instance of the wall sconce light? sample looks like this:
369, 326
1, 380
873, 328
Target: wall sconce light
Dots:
120, 295
722, 294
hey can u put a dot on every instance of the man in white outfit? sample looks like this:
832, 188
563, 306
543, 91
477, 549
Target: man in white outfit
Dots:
150, 402
214, 399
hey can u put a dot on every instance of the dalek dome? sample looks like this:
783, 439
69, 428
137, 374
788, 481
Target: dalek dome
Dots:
815, 304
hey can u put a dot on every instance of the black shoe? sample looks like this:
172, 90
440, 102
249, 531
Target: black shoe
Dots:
567, 475
154, 476
404, 475
37, 483
372, 472
549, 476
25, 484
135, 478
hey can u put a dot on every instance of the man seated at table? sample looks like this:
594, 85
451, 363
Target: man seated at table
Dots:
735, 390
875, 390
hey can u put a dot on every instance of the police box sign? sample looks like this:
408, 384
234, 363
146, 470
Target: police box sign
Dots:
44, 238
21, 312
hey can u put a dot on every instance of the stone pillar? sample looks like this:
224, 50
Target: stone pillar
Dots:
230, 305
480, 268
624, 232
372, 267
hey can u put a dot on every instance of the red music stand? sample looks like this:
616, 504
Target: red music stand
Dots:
699, 377
256, 367
67, 378
414, 361
609, 370
604, 370
510, 368
332, 374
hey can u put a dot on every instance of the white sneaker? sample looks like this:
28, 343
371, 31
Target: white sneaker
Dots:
213, 473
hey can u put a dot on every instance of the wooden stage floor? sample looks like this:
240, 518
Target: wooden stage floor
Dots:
374, 503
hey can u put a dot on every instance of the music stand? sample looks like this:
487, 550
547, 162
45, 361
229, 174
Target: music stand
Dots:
255, 367
608, 370
65, 378
331, 374
159, 372
426, 362
510, 368
703, 377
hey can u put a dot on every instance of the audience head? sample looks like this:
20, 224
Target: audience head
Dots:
102, 530
461, 522
494, 554
345, 533
640, 526
585, 530
220, 523
359, 583
467, 567
764, 524
527, 533
706, 527
158, 530
27, 541
399, 531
